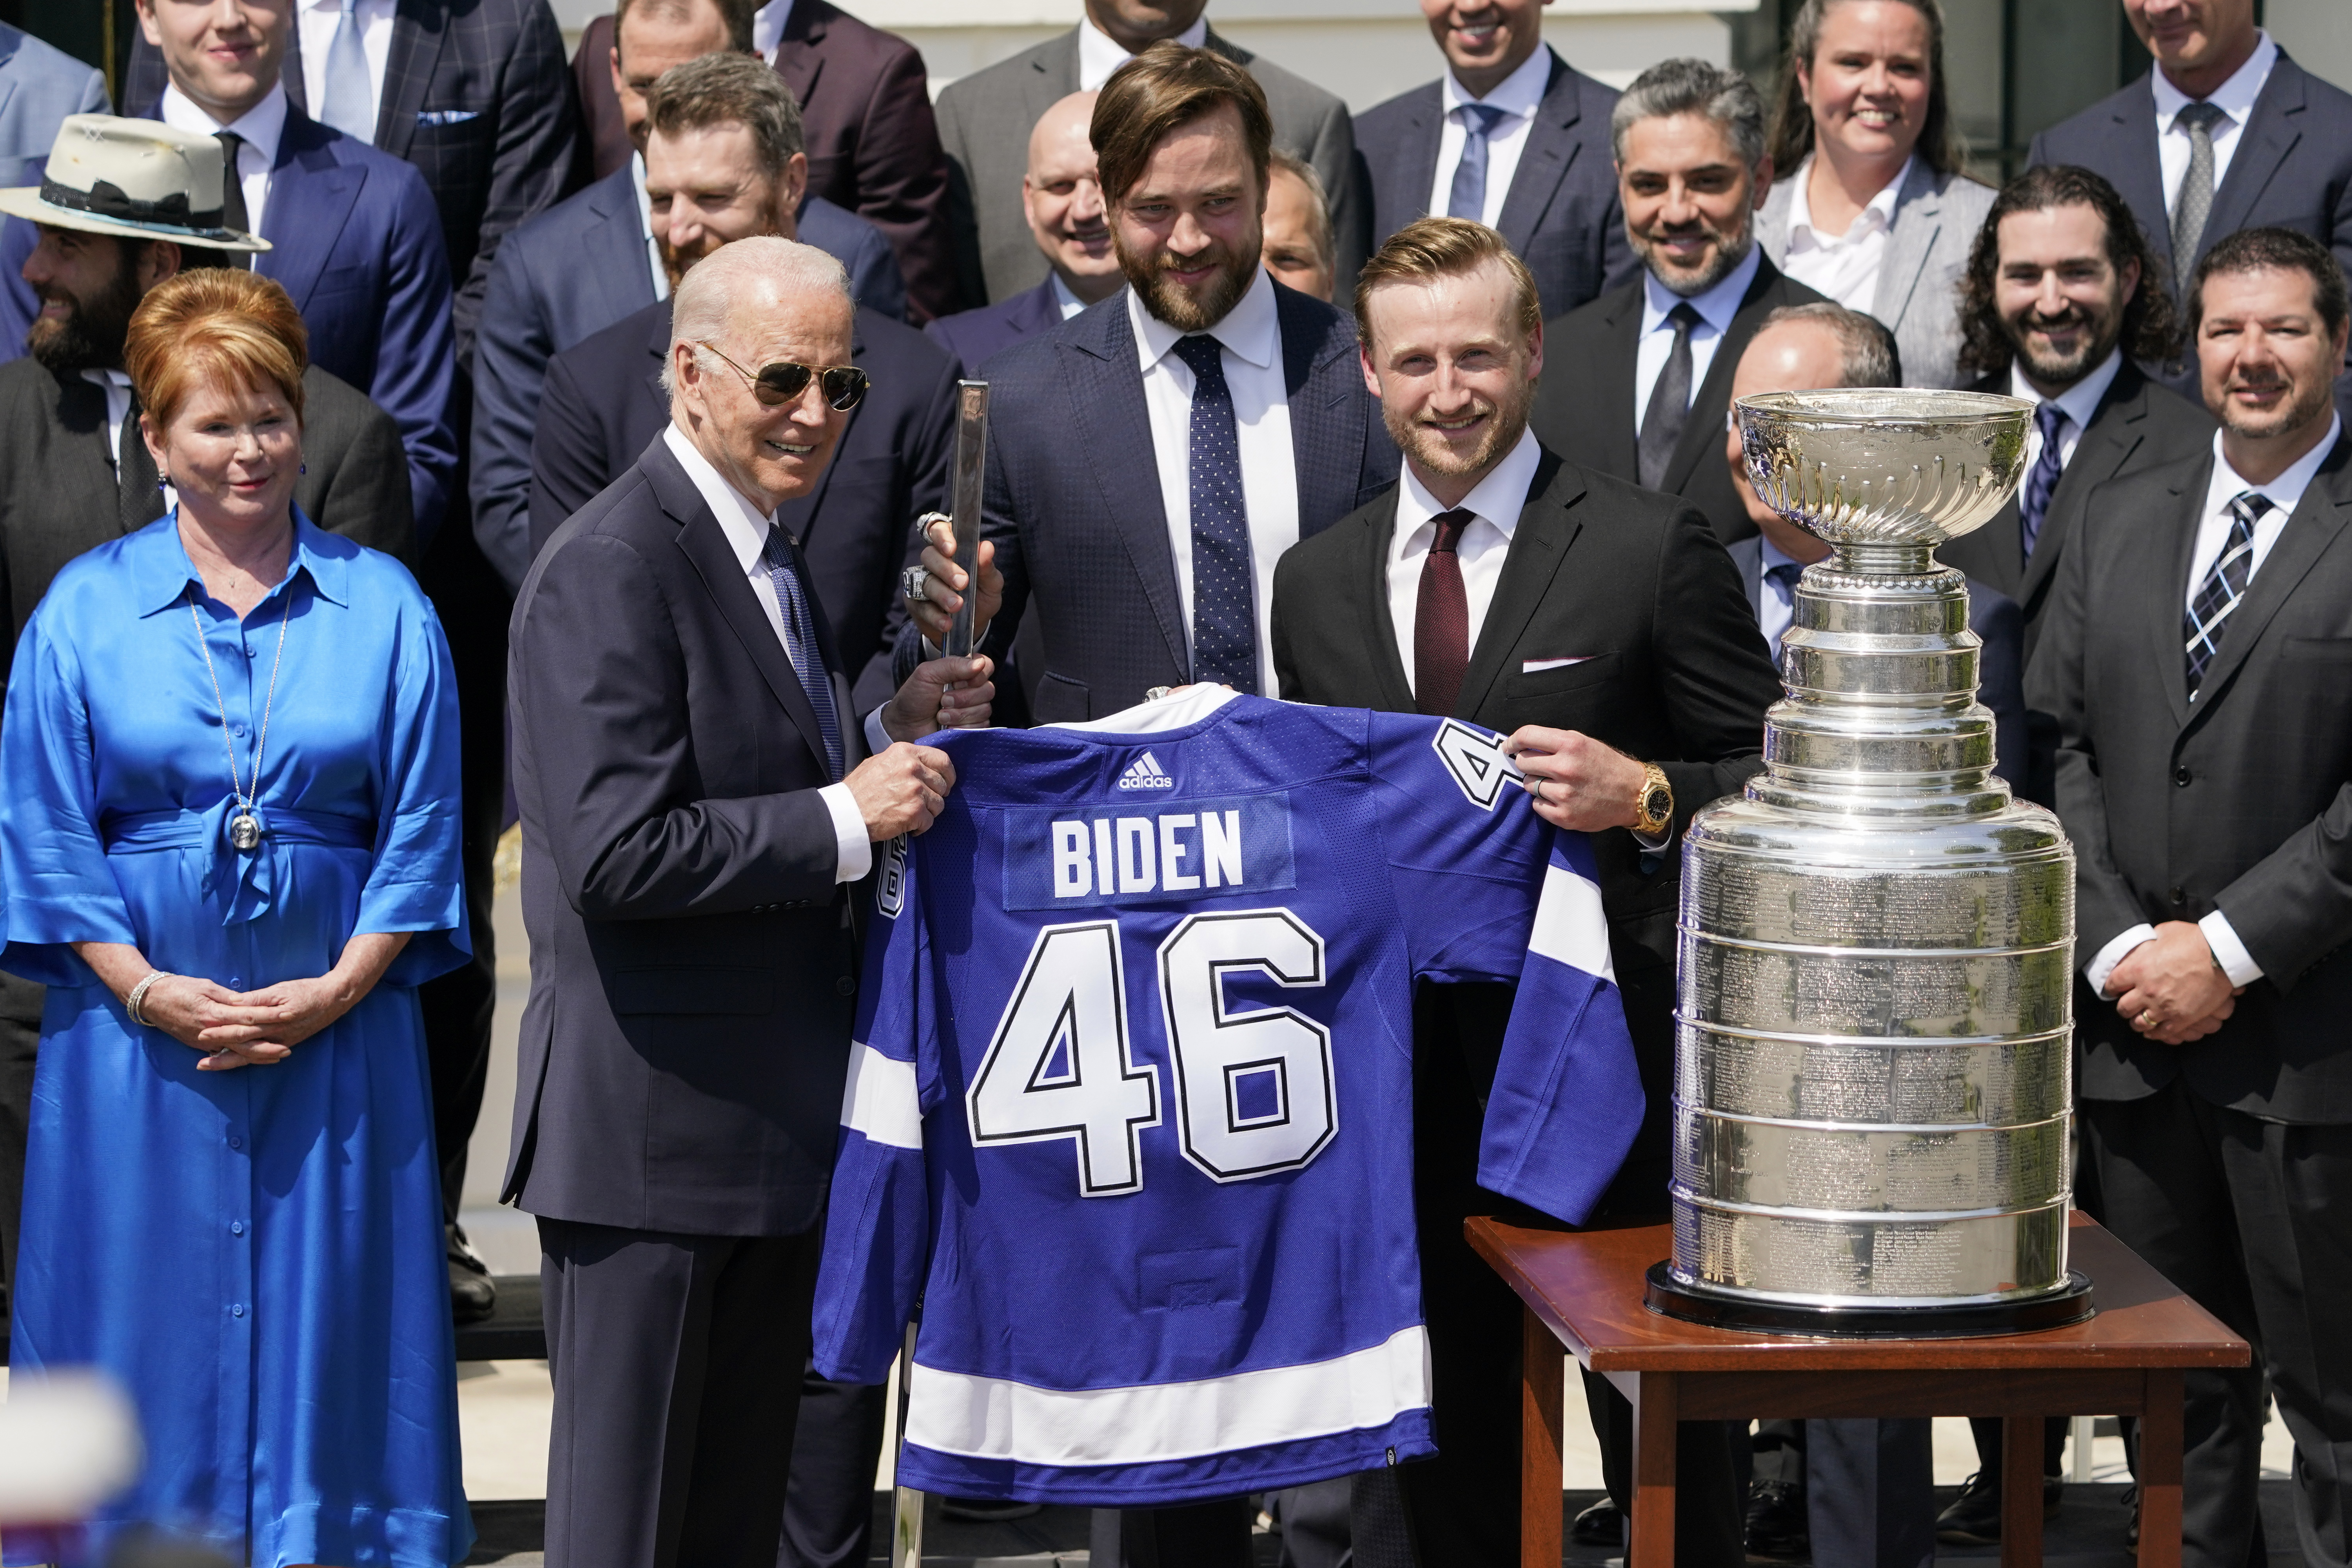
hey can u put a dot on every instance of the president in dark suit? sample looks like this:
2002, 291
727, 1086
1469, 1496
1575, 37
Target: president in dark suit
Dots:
2199, 656
1654, 358
472, 93
1115, 444
594, 258
1601, 625
1512, 137
697, 804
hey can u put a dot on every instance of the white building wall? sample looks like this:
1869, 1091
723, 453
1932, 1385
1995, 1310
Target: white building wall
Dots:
2317, 33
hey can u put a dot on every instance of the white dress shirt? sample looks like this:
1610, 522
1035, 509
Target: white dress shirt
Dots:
1776, 601
1843, 266
1519, 95
116, 385
2234, 98
767, 24
261, 126
645, 226
2077, 403
1098, 55
2285, 494
1495, 504
1716, 308
1069, 304
316, 20
746, 528
1252, 340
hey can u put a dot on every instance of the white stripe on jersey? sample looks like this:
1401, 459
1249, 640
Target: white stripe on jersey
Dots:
881, 1100
1569, 926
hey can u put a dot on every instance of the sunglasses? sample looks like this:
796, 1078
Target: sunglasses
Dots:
843, 385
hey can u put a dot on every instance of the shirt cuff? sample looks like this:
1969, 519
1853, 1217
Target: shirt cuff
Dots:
877, 739
2228, 950
856, 850
1653, 844
2104, 963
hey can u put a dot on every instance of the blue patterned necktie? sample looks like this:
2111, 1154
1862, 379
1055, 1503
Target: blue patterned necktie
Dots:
1224, 616
2043, 482
1787, 574
801, 646
2224, 586
346, 102
1468, 196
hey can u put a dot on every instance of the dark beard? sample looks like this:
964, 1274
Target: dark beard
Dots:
2100, 342
91, 337
1187, 312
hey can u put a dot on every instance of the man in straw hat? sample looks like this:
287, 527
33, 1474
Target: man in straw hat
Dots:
126, 205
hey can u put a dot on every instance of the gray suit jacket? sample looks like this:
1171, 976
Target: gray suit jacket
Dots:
59, 496
984, 123
1937, 217
39, 86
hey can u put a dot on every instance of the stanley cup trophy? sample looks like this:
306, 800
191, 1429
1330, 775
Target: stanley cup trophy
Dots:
1873, 1072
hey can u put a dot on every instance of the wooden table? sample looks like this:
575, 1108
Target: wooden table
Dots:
1583, 1293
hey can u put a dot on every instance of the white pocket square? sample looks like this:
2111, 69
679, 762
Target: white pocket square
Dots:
1530, 665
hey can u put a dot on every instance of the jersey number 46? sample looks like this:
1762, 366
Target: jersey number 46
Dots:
1252, 1090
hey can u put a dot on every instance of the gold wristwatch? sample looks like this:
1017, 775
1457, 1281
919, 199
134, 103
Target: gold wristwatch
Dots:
1655, 803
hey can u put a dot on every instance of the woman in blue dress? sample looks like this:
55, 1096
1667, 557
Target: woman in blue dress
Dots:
229, 846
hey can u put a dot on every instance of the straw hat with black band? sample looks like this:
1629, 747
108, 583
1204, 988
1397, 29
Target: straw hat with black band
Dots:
134, 179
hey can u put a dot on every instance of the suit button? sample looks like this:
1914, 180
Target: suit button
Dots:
2178, 897
2180, 775
846, 985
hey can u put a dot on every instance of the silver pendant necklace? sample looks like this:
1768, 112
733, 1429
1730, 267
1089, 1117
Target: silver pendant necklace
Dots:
245, 827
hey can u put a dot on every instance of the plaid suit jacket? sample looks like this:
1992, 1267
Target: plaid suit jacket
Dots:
477, 96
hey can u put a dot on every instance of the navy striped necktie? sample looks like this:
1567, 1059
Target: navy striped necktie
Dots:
801, 644
2224, 586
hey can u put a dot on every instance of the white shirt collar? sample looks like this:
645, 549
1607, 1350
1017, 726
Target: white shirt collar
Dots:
2234, 98
768, 25
2284, 492
1715, 306
2078, 402
1069, 304
744, 525
1499, 498
261, 126
1520, 93
1099, 56
1251, 329
1878, 213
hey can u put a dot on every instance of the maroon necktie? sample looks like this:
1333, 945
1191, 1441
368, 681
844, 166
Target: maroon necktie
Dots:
1441, 620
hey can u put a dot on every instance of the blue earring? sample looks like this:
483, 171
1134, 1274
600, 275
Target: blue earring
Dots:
164, 483
302, 467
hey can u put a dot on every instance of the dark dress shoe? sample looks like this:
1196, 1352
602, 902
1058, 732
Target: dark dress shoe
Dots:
1602, 1524
1776, 1521
986, 1510
472, 1295
1974, 1518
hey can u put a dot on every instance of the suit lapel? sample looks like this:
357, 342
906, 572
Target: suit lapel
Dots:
1407, 180
2168, 604
2113, 434
798, 61
1918, 216
1363, 590
2138, 176
1551, 146
1619, 438
1327, 410
2270, 134
1546, 530
310, 198
627, 284
1701, 437
1747, 555
417, 30
2326, 509
1098, 358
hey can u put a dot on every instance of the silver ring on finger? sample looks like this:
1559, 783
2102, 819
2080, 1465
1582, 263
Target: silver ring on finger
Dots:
915, 582
1537, 787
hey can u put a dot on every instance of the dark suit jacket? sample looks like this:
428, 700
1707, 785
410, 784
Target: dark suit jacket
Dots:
59, 496
604, 402
692, 971
1671, 671
574, 270
984, 121
356, 245
2000, 626
2240, 802
1073, 497
865, 115
1584, 409
475, 94
1561, 215
977, 335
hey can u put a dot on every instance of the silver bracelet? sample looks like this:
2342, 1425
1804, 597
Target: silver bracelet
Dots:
138, 995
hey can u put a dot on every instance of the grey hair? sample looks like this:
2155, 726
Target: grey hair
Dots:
730, 89
1688, 86
1866, 352
737, 276
1303, 172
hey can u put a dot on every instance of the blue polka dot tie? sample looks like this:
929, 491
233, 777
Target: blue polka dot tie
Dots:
1224, 619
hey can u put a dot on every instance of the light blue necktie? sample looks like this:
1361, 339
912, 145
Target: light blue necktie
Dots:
1468, 196
347, 99
801, 646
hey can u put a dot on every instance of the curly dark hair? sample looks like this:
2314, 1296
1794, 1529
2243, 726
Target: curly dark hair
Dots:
2152, 325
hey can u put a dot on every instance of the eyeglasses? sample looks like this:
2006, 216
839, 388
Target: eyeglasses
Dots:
843, 385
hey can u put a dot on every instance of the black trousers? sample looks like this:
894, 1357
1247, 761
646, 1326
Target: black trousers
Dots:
678, 1362
829, 1489
2253, 1220
20, 1032
1870, 1493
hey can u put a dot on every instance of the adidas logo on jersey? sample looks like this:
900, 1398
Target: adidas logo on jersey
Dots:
1145, 773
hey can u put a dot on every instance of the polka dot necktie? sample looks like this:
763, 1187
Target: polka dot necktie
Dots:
1224, 616
2194, 204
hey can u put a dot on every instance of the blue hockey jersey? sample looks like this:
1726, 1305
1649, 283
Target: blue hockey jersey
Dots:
1130, 1110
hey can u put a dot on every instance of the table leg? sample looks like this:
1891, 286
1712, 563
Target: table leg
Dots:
1543, 1381
2021, 1492
2160, 1470
1656, 1402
